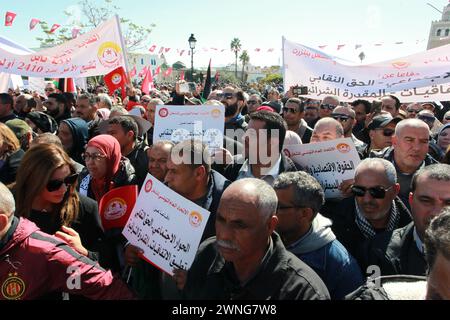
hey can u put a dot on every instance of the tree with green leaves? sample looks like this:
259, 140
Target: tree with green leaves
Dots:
236, 47
245, 58
87, 16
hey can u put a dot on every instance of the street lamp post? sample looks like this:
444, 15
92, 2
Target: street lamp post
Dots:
192, 43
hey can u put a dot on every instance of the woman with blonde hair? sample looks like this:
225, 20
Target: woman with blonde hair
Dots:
10, 154
45, 193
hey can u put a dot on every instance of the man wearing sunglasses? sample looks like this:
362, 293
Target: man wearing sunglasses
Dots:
373, 209
413, 109
409, 152
293, 114
233, 100
347, 118
327, 106
381, 129
401, 251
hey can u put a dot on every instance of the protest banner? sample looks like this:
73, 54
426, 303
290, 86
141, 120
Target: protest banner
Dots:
97, 52
179, 123
166, 226
330, 162
421, 77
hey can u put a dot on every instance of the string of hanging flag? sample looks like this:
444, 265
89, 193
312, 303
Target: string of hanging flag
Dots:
159, 49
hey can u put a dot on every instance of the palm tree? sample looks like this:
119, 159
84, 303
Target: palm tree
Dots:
236, 47
244, 57
362, 56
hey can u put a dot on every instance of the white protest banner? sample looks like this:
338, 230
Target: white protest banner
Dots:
97, 52
330, 162
166, 226
420, 77
179, 123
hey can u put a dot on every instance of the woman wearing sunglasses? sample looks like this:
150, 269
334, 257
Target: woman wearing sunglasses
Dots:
46, 194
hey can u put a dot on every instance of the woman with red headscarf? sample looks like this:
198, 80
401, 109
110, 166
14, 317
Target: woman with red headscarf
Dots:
105, 170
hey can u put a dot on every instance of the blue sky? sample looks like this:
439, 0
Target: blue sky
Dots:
258, 24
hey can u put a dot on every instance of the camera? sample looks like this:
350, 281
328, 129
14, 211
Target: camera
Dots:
188, 87
300, 90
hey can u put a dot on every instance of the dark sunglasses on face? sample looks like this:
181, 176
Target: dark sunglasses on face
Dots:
54, 185
327, 106
376, 192
289, 110
413, 111
227, 95
311, 108
341, 117
388, 132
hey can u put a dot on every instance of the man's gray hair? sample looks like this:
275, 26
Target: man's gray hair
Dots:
118, 110
7, 202
330, 122
389, 168
308, 192
267, 198
103, 97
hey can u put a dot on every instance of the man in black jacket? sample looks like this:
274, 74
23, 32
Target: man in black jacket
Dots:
401, 251
247, 260
126, 131
373, 209
263, 143
294, 114
409, 153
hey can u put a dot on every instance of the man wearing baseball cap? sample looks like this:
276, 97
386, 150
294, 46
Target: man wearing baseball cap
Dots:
381, 130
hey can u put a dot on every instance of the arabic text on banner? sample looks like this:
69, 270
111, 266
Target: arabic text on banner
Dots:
166, 226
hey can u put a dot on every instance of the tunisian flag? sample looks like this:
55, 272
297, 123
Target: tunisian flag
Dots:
9, 18
54, 27
33, 23
147, 84
116, 79
115, 206
133, 72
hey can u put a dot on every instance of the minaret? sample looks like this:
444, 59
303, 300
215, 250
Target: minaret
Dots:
440, 30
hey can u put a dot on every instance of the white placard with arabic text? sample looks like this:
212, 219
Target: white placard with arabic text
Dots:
421, 77
166, 226
179, 123
330, 162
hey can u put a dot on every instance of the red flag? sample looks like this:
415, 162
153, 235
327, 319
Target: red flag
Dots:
216, 77
257, 49
168, 72
9, 18
147, 84
115, 206
157, 71
166, 50
182, 75
75, 32
33, 23
152, 48
116, 79
133, 72
143, 72
270, 50
54, 27
161, 50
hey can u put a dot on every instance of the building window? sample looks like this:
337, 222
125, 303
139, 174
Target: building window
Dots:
438, 34
447, 32
142, 61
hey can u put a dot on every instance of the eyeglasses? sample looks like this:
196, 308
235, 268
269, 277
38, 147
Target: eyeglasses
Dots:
413, 110
376, 192
388, 132
145, 101
341, 117
252, 102
54, 185
94, 157
327, 106
426, 119
290, 110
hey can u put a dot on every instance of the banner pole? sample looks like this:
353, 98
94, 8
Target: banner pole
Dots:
124, 48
